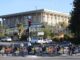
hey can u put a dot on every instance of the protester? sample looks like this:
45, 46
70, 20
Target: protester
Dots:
2, 51
42, 49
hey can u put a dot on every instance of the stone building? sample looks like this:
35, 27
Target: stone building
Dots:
38, 17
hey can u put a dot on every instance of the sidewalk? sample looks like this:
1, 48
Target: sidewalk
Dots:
33, 56
63, 55
78, 54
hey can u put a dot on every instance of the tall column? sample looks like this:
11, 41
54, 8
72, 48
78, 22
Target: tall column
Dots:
41, 17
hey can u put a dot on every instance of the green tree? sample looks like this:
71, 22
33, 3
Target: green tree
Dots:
63, 24
1, 31
75, 20
48, 30
20, 29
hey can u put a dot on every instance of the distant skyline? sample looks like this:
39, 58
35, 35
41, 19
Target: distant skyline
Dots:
15, 6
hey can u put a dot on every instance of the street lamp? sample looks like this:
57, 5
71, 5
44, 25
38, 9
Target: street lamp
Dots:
29, 25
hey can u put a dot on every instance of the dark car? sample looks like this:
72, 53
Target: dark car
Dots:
65, 43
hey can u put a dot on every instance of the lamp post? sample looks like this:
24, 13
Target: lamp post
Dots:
29, 25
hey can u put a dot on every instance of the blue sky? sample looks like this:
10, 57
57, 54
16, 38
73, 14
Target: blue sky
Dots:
14, 6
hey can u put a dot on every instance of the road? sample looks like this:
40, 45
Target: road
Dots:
40, 58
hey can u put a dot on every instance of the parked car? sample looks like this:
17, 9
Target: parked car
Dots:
65, 43
40, 40
44, 41
34, 40
6, 39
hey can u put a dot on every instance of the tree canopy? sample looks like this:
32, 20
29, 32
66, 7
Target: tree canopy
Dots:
75, 18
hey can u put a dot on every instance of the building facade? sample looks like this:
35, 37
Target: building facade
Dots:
38, 17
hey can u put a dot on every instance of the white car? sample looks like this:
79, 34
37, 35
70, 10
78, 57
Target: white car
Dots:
44, 41
40, 40
6, 39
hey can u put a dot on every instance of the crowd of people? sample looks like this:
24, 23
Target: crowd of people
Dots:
38, 50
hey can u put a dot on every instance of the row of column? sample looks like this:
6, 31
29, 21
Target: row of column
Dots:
53, 19
50, 19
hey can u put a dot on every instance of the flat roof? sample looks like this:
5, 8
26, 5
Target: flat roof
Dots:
34, 11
